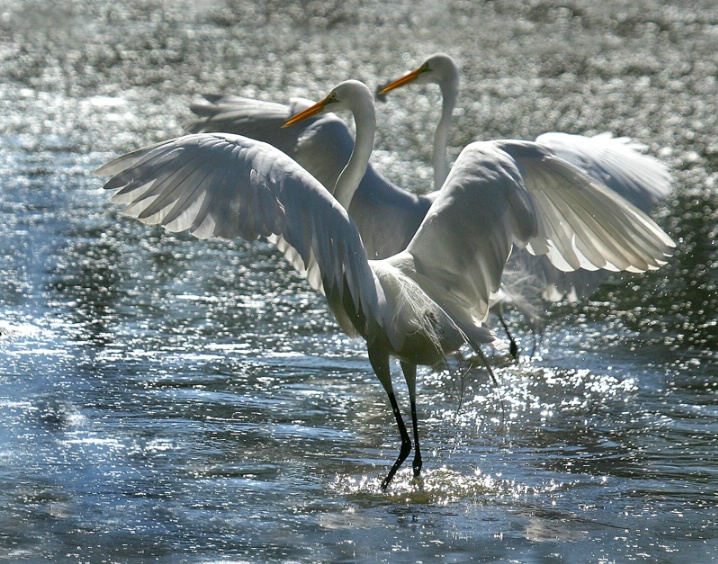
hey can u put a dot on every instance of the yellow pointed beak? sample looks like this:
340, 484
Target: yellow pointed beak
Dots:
309, 112
406, 79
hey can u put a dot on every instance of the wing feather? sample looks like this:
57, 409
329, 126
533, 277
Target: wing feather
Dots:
587, 224
227, 186
616, 162
504, 192
386, 215
466, 237
251, 118
322, 145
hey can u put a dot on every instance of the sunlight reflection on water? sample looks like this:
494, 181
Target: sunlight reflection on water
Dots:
438, 486
171, 400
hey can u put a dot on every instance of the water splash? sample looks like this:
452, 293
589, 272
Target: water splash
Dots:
439, 486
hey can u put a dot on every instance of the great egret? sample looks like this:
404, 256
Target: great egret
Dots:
615, 162
429, 299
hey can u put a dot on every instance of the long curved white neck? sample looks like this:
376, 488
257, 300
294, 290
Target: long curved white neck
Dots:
439, 159
362, 107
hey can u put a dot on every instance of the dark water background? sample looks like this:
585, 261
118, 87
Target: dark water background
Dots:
169, 400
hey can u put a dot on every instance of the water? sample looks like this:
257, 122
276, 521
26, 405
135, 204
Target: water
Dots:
165, 399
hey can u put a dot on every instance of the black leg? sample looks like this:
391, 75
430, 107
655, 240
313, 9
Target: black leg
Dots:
410, 377
405, 443
380, 363
513, 347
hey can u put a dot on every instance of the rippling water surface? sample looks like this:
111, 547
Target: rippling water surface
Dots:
173, 400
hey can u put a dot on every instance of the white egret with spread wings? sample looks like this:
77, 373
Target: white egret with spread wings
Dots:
432, 297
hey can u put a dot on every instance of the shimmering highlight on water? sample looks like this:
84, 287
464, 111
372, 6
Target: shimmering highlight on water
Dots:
173, 400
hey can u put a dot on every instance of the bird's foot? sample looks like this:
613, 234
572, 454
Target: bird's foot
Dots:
403, 453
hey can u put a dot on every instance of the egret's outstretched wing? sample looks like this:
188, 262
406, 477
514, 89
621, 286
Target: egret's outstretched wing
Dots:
243, 116
227, 186
466, 237
386, 215
582, 223
504, 191
322, 145
616, 162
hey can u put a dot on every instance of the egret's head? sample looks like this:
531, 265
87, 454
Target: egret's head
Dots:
437, 69
345, 96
